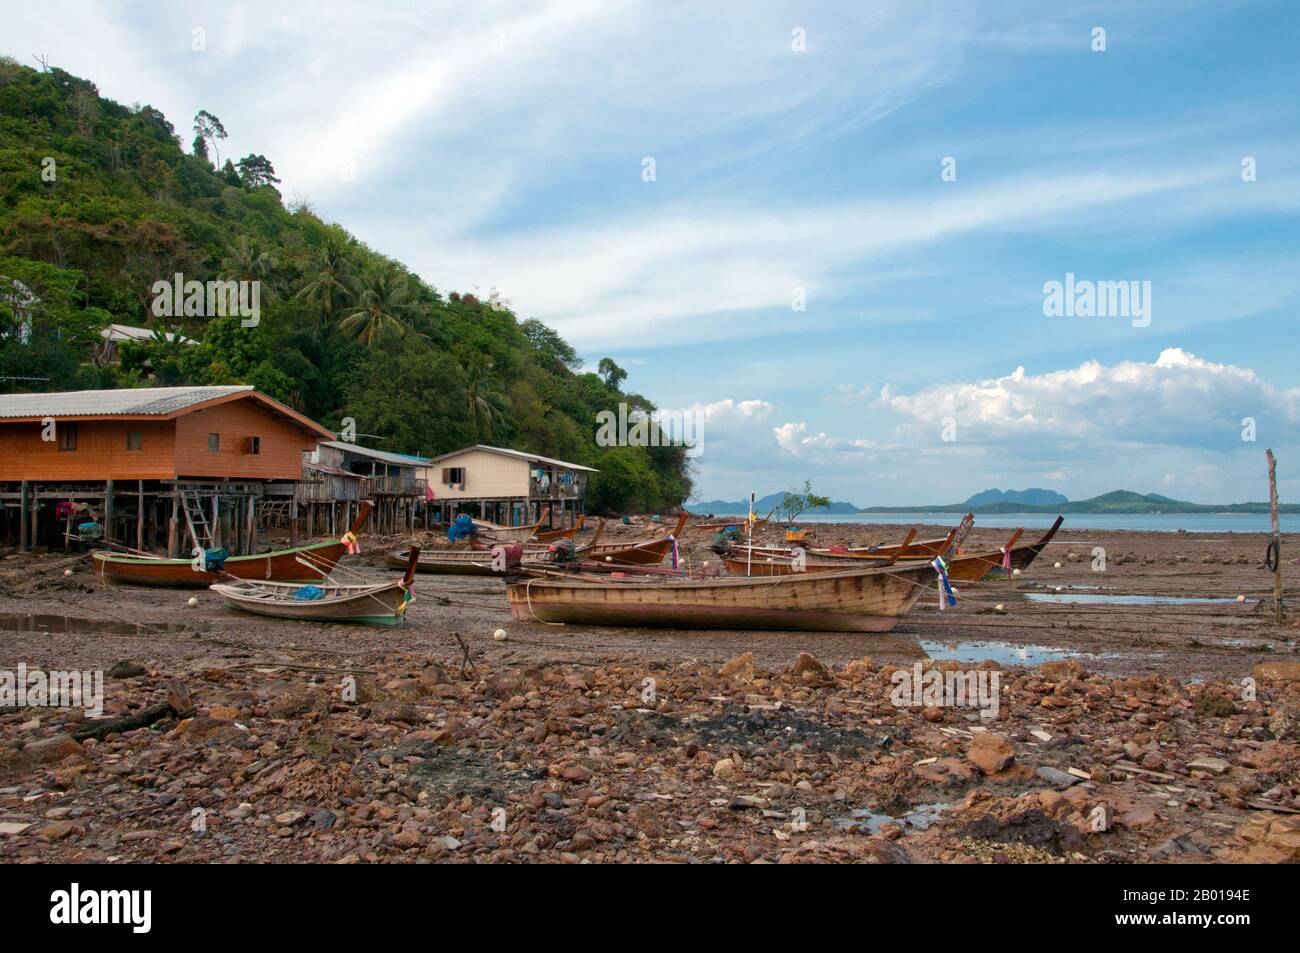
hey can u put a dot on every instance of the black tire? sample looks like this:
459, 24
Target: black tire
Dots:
1271, 557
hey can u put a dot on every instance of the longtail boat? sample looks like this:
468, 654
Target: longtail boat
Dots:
847, 600
477, 560
551, 535
446, 562
646, 553
512, 534
963, 567
1022, 556
326, 601
905, 550
281, 565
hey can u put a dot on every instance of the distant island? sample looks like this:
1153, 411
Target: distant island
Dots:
1032, 500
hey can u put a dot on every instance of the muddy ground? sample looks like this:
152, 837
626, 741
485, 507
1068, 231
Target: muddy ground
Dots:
552, 745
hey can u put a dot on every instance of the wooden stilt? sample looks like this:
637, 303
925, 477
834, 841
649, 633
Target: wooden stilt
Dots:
108, 509
23, 540
174, 527
139, 516
1277, 538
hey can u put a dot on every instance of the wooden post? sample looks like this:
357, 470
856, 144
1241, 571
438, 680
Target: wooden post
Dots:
1277, 538
293, 519
174, 526
214, 524
108, 509
139, 519
36, 515
22, 518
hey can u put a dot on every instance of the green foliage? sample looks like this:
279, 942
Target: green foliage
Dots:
794, 502
342, 330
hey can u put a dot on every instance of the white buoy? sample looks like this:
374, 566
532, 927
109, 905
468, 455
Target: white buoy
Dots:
1015, 572
1241, 598
1057, 565
999, 608
609, 559
499, 635
67, 572
194, 602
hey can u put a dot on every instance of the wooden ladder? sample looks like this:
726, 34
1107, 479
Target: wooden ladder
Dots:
196, 519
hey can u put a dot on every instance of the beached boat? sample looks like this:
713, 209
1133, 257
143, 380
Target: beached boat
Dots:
907, 549
649, 552
324, 601
963, 567
551, 535
512, 534
1023, 555
471, 562
846, 600
282, 565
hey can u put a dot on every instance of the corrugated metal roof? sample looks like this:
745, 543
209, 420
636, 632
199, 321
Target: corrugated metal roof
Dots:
397, 459
139, 401
127, 332
519, 455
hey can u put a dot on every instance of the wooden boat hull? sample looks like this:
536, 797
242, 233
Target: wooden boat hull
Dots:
511, 534
853, 600
372, 603
647, 553
283, 565
960, 568
280, 566
459, 563
967, 567
1022, 556
377, 605
551, 535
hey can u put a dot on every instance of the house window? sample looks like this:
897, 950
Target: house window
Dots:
67, 437
134, 440
452, 475
254, 445
214, 443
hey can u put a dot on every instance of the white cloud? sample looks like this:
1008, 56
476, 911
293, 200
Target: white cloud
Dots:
1179, 399
794, 438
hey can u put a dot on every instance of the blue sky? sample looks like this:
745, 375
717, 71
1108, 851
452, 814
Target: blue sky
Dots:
502, 145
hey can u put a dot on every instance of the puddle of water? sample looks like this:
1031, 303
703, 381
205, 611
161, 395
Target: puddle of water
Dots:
917, 819
1004, 653
1094, 599
66, 624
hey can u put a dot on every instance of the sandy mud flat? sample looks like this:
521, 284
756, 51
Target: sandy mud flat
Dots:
1144, 713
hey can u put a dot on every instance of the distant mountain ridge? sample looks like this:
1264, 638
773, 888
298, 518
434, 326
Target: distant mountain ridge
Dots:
1030, 497
1010, 501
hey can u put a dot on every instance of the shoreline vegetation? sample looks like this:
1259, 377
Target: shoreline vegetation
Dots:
99, 203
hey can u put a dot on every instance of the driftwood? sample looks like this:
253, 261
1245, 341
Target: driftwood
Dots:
177, 704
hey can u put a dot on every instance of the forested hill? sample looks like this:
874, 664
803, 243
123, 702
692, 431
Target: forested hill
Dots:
98, 201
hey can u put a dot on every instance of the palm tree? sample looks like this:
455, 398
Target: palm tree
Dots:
244, 262
486, 404
326, 281
381, 306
